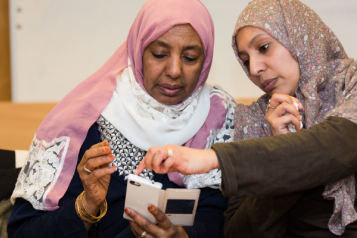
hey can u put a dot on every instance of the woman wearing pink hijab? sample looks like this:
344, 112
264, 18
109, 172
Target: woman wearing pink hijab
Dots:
152, 91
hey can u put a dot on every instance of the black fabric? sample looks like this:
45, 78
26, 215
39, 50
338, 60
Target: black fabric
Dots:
7, 159
8, 179
8, 173
25, 221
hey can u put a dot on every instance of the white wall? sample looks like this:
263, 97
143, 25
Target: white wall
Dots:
58, 43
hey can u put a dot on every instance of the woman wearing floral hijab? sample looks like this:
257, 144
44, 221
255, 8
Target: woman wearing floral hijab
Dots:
150, 92
286, 49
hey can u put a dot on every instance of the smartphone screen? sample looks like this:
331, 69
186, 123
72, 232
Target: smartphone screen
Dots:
179, 206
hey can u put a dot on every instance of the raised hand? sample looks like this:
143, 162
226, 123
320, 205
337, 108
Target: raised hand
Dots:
94, 172
281, 112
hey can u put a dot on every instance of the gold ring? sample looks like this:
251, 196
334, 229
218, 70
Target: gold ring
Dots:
270, 106
87, 170
169, 152
143, 234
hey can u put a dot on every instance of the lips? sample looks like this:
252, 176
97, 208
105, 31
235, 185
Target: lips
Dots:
170, 89
269, 84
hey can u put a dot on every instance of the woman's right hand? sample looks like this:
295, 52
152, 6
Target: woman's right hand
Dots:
182, 159
281, 112
96, 183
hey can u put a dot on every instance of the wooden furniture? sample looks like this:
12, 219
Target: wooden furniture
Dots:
5, 79
19, 121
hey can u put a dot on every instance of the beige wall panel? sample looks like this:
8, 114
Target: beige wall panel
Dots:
58, 43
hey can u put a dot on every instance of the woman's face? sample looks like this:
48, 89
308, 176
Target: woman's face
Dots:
270, 64
172, 65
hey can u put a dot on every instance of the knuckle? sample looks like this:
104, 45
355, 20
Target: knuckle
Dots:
86, 154
89, 163
161, 219
160, 152
146, 225
96, 173
151, 150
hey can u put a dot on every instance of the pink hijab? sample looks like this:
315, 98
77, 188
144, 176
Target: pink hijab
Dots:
72, 117
327, 87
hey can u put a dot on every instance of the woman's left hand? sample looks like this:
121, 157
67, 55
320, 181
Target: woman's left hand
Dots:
143, 228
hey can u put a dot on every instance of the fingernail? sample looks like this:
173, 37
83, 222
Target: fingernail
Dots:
105, 143
135, 172
113, 168
111, 157
107, 149
300, 118
151, 208
127, 210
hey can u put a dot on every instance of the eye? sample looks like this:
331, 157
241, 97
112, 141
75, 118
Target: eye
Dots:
264, 48
159, 56
246, 63
189, 59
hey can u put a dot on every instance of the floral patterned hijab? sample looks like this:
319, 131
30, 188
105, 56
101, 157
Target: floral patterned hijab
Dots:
327, 87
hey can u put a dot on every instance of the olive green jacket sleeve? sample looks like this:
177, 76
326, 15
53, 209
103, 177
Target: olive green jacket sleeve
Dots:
289, 163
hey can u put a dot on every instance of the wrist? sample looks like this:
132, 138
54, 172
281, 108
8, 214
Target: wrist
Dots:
85, 215
90, 207
214, 164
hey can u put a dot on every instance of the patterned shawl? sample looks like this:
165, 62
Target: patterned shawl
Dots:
327, 86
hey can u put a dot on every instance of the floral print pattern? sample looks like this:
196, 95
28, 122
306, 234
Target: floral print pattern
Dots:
327, 87
42, 167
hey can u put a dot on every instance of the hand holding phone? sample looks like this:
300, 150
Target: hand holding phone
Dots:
140, 193
179, 205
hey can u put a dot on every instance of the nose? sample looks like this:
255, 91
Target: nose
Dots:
174, 67
256, 66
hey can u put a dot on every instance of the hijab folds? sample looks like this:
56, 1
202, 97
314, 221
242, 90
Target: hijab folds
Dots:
54, 151
327, 87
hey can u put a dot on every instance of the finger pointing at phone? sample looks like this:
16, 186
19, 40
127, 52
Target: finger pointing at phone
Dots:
181, 159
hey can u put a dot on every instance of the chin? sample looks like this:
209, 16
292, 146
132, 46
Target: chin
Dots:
168, 101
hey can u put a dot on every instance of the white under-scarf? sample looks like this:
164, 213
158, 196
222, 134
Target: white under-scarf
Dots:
145, 122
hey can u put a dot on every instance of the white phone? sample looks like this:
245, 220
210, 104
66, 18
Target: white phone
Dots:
140, 193
179, 205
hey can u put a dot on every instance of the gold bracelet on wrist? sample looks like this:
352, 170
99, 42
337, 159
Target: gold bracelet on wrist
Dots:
84, 215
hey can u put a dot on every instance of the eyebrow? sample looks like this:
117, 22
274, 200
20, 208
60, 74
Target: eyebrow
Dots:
252, 41
192, 47
161, 43
189, 47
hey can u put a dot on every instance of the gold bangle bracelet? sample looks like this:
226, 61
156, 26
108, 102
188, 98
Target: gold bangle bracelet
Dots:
84, 215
